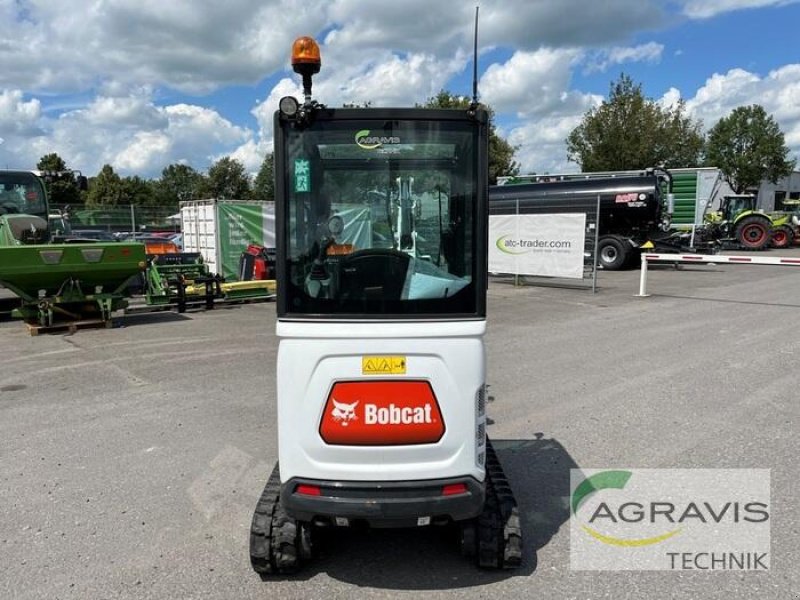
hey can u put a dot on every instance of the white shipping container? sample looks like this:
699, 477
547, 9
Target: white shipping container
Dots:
220, 230
199, 227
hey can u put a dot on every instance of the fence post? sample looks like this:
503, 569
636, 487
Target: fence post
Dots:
516, 274
643, 278
596, 245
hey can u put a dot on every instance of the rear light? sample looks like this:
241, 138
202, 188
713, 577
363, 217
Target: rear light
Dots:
454, 489
308, 490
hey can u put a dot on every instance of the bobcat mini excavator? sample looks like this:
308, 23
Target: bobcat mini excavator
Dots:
382, 273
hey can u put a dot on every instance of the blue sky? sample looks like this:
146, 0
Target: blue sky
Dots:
146, 83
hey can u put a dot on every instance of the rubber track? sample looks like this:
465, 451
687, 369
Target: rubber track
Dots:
273, 534
499, 528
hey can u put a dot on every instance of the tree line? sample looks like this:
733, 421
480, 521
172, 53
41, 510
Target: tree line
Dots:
227, 178
627, 131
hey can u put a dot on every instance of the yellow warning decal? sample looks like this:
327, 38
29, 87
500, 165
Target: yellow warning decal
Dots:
648, 245
383, 365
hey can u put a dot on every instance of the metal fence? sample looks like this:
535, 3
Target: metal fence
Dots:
124, 218
591, 208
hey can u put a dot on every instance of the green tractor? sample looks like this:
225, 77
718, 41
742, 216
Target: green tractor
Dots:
56, 282
787, 225
738, 220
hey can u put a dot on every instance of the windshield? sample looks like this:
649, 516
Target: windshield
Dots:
22, 193
380, 217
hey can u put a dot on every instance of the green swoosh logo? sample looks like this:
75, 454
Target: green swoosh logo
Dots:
611, 480
500, 243
362, 134
599, 481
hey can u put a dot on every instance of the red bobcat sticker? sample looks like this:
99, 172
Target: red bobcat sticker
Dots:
381, 413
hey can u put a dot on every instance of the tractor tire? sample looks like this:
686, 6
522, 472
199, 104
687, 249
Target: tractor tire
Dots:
753, 232
782, 237
613, 253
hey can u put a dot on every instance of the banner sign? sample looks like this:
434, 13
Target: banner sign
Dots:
549, 245
239, 226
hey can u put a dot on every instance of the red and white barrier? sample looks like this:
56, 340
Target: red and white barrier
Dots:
710, 259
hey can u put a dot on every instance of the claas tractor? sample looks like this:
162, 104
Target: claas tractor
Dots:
381, 226
738, 220
786, 224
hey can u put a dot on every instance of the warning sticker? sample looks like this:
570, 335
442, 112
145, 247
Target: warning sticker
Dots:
383, 365
302, 175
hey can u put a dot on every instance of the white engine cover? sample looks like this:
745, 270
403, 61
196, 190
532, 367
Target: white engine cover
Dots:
313, 356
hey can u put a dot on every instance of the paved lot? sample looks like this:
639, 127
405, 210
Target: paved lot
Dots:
131, 458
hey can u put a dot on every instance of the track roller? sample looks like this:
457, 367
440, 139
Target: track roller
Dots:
495, 537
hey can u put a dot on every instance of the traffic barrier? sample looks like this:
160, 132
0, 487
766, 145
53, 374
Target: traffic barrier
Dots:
781, 261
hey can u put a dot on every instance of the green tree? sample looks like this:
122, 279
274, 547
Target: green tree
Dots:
227, 179
630, 131
106, 189
178, 183
62, 189
748, 147
264, 185
137, 191
501, 153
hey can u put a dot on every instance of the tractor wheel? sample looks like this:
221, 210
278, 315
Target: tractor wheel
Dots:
613, 253
753, 232
782, 237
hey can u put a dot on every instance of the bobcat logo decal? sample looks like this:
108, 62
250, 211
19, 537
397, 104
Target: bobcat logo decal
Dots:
344, 413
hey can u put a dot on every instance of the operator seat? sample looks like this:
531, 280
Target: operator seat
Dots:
373, 274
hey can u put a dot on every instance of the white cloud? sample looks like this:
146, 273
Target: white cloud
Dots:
778, 93
131, 133
264, 112
535, 86
566, 23
705, 9
251, 154
419, 26
722, 93
71, 44
650, 53
17, 115
386, 79
541, 144
148, 149
670, 98
137, 111
529, 82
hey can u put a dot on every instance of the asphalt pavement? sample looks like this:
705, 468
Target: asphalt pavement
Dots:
131, 458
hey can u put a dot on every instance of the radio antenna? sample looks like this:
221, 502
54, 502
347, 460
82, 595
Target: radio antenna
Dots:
475, 62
